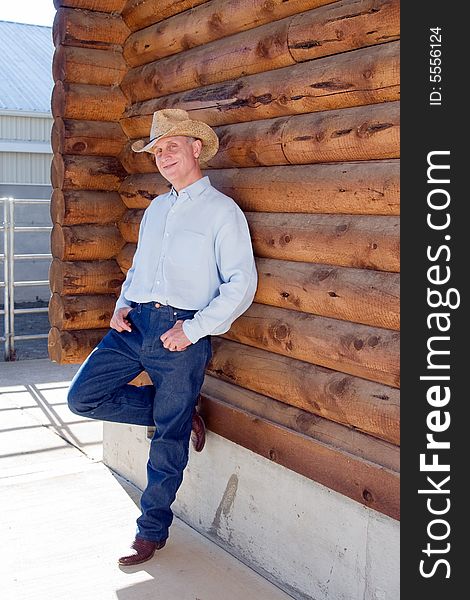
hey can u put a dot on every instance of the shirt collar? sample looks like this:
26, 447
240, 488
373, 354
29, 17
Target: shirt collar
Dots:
194, 190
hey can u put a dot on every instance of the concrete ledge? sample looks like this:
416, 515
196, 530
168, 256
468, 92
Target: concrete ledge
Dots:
311, 541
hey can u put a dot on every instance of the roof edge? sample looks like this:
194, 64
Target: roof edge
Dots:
6, 112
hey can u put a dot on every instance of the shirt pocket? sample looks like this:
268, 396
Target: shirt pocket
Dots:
188, 250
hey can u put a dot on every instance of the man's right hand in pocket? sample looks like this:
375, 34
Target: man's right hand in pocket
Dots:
119, 321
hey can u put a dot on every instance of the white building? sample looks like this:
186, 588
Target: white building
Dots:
25, 103
26, 84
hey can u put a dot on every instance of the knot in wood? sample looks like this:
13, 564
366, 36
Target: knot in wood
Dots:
268, 5
321, 274
279, 331
79, 147
366, 130
215, 22
358, 344
339, 34
285, 239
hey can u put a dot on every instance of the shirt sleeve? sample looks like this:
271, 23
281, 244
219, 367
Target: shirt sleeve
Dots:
122, 302
237, 269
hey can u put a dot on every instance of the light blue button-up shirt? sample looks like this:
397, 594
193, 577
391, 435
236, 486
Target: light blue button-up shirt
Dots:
194, 252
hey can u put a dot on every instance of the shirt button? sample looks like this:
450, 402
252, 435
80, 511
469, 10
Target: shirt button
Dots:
158, 282
167, 234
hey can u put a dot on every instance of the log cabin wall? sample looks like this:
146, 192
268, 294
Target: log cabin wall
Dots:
304, 98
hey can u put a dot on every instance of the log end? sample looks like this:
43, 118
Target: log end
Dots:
58, 136
58, 64
57, 207
54, 345
57, 171
56, 311
59, 27
58, 242
56, 279
58, 100
72, 347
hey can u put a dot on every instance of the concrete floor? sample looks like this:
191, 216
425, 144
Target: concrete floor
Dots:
66, 518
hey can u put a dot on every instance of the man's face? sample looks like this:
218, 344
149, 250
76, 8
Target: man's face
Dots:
176, 157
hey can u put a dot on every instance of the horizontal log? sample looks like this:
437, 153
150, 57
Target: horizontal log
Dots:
87, 102
265, 48
138, 14
364, 242
369, 484
72, 347
86, 172
368, 352
99, 138
89, 29
353, 241
75, 207
214, 20
137, 191
366, 76
347, 188
365, 187
359, 133
229, 58
85, 277
68, 313
85, 242
343, 26
125, 256
130, 223
357, 295
369, 407
323, 430
88, 66
357, 443
109, 6
348, 134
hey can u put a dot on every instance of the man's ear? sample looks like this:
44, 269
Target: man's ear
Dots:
197, 148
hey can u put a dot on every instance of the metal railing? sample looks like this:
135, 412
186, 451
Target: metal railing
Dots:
9, 284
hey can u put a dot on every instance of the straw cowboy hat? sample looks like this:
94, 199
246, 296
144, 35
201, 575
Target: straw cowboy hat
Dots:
174, 121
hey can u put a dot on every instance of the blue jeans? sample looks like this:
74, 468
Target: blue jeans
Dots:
100, 390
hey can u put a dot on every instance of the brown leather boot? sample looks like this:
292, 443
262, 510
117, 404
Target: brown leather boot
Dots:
143, 551
198, 432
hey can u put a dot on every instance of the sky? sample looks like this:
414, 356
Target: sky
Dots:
36, 12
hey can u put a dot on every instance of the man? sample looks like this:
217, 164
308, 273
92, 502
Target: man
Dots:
192, 275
